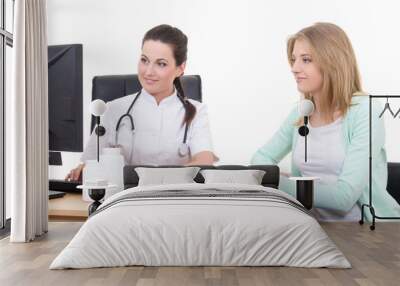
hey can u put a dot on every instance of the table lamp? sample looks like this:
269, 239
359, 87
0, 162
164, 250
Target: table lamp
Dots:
97, 108
305, 185
306, 108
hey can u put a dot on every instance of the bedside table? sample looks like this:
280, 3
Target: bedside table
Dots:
305, 190
96, 193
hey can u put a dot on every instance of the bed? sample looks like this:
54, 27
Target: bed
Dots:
201, 224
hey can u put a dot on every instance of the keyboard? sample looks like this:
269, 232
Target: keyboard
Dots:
55, 194
63, 185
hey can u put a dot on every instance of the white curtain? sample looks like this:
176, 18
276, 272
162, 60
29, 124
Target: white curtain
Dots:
29, 122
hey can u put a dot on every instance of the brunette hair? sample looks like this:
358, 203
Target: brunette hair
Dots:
177, 40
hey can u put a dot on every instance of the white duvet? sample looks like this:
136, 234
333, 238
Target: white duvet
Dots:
200, 231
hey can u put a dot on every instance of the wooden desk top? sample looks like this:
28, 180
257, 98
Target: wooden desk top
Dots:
71, 207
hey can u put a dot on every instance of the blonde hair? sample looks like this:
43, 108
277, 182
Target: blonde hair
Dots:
334, 55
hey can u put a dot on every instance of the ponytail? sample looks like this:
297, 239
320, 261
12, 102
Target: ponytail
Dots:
190, 109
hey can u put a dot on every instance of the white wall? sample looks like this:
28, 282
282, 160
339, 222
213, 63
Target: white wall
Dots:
238, 48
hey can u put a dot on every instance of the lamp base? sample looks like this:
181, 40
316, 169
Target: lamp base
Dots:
96, 195
305, 193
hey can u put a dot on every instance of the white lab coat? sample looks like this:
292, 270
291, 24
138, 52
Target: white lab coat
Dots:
158, 130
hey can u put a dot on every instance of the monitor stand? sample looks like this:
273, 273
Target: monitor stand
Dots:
55, 160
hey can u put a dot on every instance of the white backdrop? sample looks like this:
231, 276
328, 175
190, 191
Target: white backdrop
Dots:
238, 48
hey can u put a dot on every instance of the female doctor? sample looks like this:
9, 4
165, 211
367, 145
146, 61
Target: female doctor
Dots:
158, 125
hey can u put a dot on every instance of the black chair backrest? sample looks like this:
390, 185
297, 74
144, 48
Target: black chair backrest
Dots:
393, 184
270, 179
110, 87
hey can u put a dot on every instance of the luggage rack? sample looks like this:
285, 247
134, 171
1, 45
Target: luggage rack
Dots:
370, 205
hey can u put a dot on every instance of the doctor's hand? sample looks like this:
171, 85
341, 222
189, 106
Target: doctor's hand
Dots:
75, 174
202, 158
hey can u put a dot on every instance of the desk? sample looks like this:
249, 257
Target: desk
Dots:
71, 207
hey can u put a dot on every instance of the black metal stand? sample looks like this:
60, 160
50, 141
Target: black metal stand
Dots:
305, 192
370, 206
100, 131
96, 195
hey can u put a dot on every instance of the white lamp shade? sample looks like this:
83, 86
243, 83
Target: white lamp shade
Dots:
98, 107
306, 107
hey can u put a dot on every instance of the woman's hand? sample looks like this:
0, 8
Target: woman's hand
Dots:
285, 174
75, 174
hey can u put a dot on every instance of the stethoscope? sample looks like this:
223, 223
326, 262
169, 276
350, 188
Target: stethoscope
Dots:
183, 149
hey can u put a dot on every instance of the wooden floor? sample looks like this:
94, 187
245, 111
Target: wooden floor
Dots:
374, 255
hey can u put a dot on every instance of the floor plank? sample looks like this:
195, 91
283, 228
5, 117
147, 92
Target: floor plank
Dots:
374, 255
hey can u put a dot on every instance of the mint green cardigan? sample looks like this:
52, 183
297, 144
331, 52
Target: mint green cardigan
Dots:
352, 185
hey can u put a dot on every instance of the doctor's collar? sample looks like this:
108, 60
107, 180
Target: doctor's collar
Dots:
169, 99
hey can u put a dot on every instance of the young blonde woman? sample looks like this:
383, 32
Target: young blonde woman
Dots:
323, 63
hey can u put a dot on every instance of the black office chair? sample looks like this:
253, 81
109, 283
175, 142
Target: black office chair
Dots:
110, 87
393, 184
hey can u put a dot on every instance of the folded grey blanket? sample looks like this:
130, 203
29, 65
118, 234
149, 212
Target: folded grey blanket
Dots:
247, 194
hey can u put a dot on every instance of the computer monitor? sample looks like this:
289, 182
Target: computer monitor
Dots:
65, 99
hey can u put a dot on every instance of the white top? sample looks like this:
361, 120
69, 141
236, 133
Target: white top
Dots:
158, 130
325, 152
325, 158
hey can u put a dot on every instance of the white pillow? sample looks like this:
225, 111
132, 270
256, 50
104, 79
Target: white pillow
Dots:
249, 177
166, 176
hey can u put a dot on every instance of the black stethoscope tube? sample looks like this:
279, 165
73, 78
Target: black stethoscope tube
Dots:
129, 116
